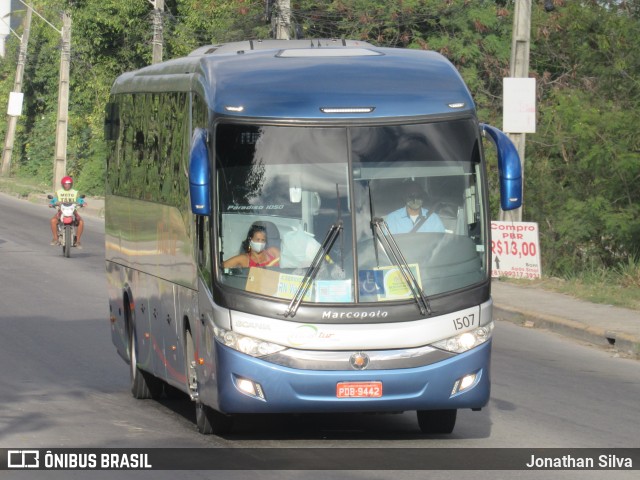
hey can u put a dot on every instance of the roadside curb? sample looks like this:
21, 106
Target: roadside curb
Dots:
624, 343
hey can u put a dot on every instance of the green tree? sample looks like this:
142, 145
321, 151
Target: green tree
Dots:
583, 165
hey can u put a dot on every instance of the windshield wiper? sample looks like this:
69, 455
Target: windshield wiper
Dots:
313, 269
384, 236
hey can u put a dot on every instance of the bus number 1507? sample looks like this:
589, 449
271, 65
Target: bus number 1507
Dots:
464, 322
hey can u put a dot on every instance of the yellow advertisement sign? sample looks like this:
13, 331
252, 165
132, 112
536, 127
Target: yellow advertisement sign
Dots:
288, 285
394, 284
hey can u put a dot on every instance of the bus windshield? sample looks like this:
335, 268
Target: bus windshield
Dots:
350, 214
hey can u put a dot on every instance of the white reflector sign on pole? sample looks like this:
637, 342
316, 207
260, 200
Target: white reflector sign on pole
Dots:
519, 105
15, 104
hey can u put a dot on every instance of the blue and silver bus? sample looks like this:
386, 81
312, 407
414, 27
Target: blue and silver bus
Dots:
318, 143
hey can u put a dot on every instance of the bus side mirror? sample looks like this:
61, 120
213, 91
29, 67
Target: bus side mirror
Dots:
199, 174
509, 168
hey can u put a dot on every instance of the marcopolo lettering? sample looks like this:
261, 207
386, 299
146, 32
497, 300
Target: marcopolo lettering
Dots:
331, 314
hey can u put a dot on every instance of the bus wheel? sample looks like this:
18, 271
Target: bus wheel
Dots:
211, 421
208, 420
143, 384
437, 421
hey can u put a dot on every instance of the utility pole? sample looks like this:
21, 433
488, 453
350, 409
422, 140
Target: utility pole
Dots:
282, 20
158, 40
520, 46
17, 87
60, 162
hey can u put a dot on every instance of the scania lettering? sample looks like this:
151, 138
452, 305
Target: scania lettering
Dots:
319, 141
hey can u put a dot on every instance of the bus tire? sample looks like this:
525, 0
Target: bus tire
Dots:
143, 384
437, 421
208, 420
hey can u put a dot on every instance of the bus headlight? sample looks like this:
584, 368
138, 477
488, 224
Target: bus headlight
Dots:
467, 340
249, 345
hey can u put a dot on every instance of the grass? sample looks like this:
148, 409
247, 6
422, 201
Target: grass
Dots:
23, 187
619, 286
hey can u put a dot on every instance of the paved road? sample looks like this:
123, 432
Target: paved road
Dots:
63, 385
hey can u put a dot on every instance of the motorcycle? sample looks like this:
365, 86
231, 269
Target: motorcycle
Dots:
67, 224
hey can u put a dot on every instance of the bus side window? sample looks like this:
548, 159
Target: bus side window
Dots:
204, 247
112, 121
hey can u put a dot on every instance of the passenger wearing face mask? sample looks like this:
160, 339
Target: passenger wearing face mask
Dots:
413, 217
255, 252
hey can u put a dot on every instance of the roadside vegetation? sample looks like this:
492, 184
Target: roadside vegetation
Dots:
23, 187
582, 167
619, 286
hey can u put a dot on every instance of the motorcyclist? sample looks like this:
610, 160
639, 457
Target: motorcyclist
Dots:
67, 195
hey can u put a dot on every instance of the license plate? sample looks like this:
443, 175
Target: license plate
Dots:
359, 390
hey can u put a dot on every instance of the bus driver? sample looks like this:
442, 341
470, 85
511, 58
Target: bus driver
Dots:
412, 217
255, 252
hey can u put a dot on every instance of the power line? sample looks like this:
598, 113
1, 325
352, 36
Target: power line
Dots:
41, 17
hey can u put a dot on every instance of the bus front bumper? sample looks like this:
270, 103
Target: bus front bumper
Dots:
246, 384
